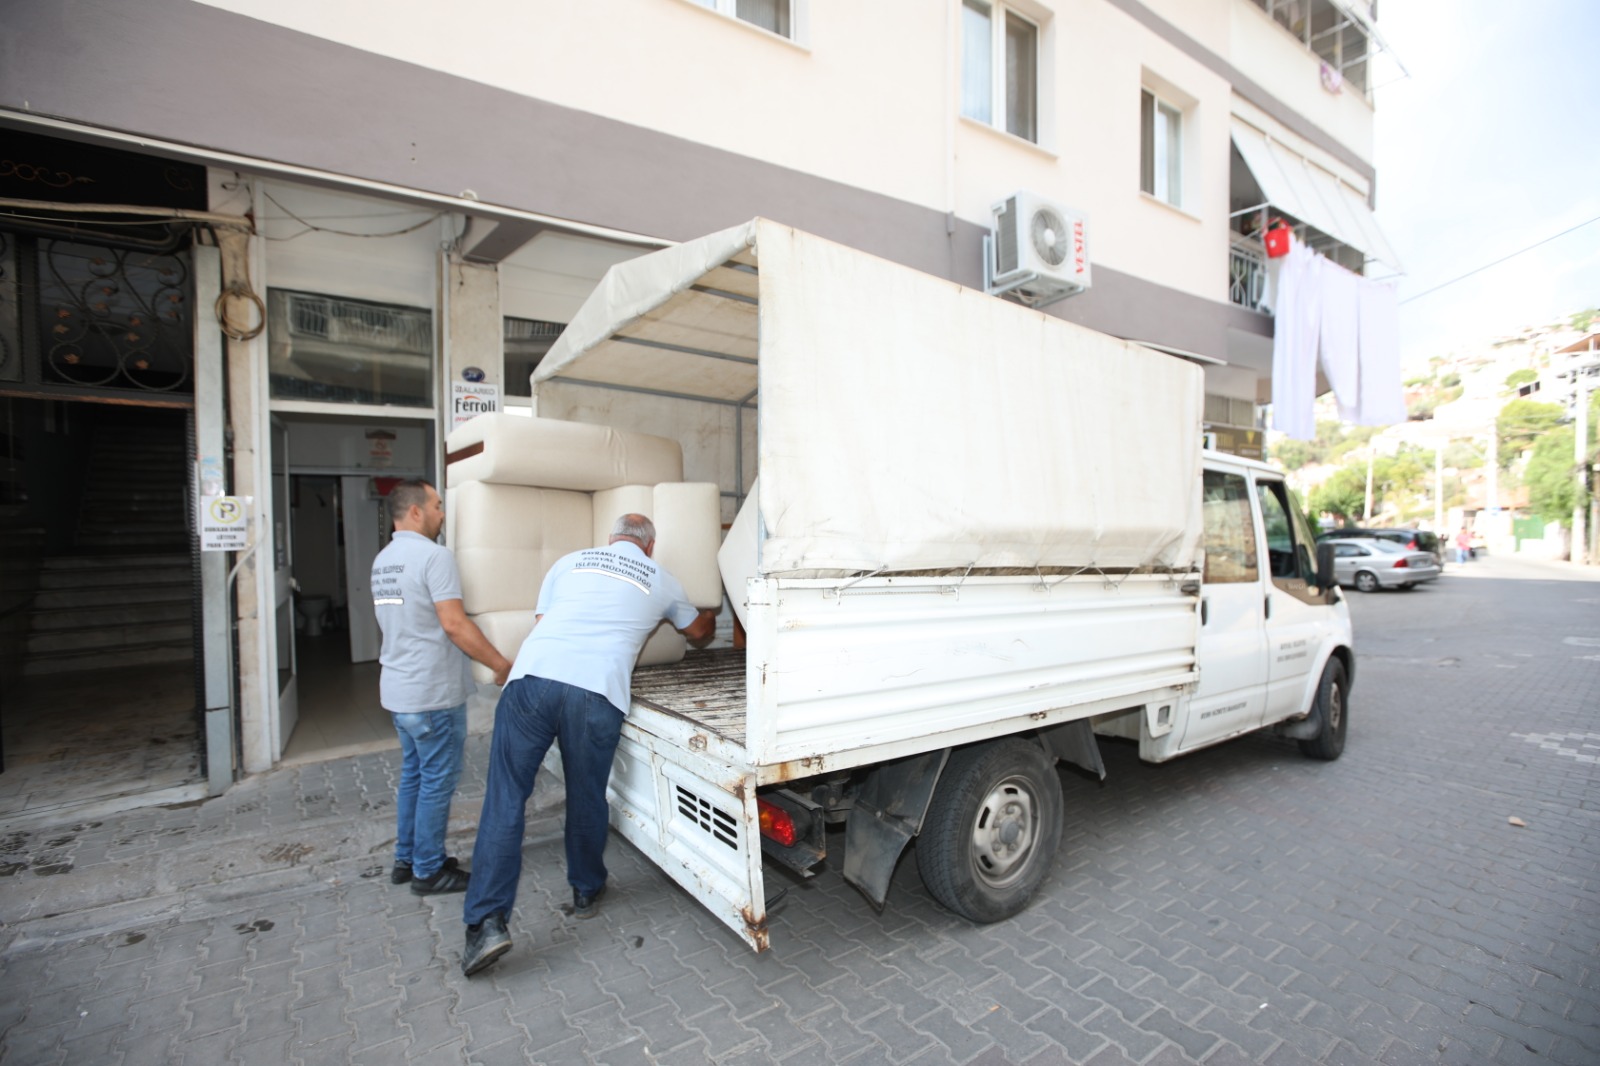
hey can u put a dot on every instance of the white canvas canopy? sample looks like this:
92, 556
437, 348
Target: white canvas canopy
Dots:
906, 422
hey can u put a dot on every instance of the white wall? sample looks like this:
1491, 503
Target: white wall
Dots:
870, 99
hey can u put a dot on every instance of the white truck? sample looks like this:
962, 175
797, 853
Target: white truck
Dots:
980, 536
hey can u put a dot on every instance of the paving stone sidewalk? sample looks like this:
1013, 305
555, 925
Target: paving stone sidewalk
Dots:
1242, 905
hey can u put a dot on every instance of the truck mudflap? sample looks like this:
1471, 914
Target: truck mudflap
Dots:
695, 816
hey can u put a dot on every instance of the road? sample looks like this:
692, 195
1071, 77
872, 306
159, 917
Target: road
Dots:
1240, 905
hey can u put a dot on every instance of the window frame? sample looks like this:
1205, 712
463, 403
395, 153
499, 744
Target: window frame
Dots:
1173, 176
730, 9
998, 102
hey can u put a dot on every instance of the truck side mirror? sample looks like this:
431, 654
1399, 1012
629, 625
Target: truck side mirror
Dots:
1325, 578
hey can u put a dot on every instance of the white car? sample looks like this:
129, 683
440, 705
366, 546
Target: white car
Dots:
1371, 565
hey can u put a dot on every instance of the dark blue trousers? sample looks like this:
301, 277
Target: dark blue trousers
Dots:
532, 714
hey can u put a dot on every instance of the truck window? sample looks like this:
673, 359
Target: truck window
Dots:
1289, 540
1230, 535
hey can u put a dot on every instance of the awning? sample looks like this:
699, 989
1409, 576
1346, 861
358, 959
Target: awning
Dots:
1313, 194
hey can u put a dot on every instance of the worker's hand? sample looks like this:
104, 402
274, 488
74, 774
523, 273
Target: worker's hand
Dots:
702, 629
502, 671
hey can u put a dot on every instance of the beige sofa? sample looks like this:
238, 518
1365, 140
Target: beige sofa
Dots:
521, 493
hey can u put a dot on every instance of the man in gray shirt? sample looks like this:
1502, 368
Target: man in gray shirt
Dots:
425, 680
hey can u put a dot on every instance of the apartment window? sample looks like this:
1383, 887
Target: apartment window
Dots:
1000, 68
1160, 148
774, 16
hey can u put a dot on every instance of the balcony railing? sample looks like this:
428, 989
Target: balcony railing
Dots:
1248, 282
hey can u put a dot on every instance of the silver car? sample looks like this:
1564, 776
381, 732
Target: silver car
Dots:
1371, 565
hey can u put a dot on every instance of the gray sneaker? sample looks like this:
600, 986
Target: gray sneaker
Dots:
486, 942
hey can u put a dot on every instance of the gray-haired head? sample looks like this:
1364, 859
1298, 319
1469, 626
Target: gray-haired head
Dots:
635, 527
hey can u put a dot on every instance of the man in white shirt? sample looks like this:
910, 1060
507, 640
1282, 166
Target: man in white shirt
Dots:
570, 685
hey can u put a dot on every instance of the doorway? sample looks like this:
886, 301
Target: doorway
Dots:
333, 481
99, 606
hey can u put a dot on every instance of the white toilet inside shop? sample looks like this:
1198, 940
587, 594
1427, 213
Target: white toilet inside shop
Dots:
312, 612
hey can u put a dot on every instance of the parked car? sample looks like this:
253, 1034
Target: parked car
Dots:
1414, 539
1376, 563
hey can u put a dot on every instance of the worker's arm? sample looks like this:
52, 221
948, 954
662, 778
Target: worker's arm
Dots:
702, 629
465, 634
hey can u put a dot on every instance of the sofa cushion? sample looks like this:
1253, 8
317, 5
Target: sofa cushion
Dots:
508, 536
508, 449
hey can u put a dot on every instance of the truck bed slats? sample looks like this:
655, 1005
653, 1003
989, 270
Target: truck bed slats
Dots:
706, 687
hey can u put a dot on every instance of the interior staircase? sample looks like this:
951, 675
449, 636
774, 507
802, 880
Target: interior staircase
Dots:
123, 594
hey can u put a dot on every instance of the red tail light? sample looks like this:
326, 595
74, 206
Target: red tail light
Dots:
1401, 564
776, 823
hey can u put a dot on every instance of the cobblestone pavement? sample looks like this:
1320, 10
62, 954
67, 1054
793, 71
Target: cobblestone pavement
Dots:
1241, 905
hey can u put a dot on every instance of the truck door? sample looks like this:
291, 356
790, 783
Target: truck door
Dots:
1298, 618
1232, 649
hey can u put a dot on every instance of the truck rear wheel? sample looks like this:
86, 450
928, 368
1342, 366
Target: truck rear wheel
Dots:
991, 832
1332, 696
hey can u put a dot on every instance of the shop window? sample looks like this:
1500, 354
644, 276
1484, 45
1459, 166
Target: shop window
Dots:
526, 342
336, 350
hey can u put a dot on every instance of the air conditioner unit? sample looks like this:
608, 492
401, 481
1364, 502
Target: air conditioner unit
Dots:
1038, 252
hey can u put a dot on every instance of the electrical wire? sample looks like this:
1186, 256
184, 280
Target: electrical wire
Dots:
311, 227
1502, 259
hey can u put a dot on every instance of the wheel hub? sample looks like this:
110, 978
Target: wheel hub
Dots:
1004, 832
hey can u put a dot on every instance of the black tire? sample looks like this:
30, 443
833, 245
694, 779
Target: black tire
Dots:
992, 830
1333, 710
1367, 581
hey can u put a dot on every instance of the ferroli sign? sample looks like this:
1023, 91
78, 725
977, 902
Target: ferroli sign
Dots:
469, 399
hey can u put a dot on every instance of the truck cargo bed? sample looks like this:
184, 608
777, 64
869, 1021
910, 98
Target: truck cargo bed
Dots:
706, 688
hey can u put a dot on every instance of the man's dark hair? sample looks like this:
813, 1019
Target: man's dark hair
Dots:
406, 495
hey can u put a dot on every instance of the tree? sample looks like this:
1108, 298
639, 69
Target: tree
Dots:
1521, 377
1343, 495
1584, 319
1522, 422
1551, 477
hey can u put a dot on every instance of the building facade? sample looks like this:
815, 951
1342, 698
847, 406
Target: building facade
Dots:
369, 205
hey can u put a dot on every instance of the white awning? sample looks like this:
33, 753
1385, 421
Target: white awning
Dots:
1311, 193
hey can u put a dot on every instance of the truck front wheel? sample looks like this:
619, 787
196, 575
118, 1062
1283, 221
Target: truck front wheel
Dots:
1332, 694
992, 829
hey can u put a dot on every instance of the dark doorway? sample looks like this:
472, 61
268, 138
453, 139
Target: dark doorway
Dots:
97, 647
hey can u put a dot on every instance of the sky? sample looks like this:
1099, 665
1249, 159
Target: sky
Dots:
1491, 144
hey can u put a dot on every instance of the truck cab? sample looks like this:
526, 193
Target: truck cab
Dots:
1274, 628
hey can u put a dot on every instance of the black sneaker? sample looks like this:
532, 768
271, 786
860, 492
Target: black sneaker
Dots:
445, 879
587, 906
486, 942
402, 870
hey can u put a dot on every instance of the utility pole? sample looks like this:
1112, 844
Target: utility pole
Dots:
1493, 502
1580, 505
1366, 518
1438, 488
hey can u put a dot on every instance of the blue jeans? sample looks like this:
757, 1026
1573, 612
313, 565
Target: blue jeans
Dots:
431, 744
532, 714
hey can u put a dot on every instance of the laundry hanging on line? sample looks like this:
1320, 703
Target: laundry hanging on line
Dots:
1348, 323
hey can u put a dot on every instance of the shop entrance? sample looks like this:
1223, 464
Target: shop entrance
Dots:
332, 482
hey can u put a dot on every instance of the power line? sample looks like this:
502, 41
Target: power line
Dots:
1502, 259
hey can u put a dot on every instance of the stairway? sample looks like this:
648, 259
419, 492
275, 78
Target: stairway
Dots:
124, 595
